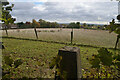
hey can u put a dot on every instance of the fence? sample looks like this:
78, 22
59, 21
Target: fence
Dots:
80, 36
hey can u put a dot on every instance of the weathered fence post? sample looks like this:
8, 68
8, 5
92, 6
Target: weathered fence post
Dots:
36, 32
6, 30
118, 36
72, 36
35, 24
71, 62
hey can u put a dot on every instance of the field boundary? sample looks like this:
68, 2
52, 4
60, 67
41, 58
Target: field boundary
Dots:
74, 44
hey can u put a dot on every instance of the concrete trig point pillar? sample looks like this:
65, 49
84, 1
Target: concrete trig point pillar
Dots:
71, 62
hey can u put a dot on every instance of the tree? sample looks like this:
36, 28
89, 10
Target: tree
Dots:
54, 25
72, 25
84, 24
118, 17
35, 24
78, 25
20, 24
115, 28
46, 24
6, 16
42, 23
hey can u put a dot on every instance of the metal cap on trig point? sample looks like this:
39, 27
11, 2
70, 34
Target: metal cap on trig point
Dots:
71, 62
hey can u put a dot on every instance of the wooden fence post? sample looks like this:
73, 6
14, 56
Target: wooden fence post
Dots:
6, 30
36, 32
35, 24
72, 36
71, 62
118, 36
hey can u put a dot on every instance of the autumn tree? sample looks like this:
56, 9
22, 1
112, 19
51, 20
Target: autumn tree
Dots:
6, 17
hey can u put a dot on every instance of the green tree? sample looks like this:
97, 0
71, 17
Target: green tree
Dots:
6, 16
46, 24
42, 23
118, 17
54, 25
72, 25
84, 25
77, 24
20, 24
115, 28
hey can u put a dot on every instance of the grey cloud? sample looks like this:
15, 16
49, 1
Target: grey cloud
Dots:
99, 9
23, 5
26, 12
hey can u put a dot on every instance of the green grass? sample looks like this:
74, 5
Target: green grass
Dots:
37, 55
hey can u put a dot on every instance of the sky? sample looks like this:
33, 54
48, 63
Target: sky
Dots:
84, 11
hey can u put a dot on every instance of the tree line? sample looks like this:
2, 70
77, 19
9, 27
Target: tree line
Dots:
42, 24
45, 24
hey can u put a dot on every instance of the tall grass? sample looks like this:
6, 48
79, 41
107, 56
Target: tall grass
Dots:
81, 36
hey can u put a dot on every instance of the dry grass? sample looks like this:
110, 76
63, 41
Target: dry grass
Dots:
81, 36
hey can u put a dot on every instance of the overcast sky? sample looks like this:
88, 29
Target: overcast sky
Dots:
96, 11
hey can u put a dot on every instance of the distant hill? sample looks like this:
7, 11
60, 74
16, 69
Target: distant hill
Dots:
86, 23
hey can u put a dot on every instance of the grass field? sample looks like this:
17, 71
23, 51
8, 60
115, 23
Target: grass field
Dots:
37, 55
81, 36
